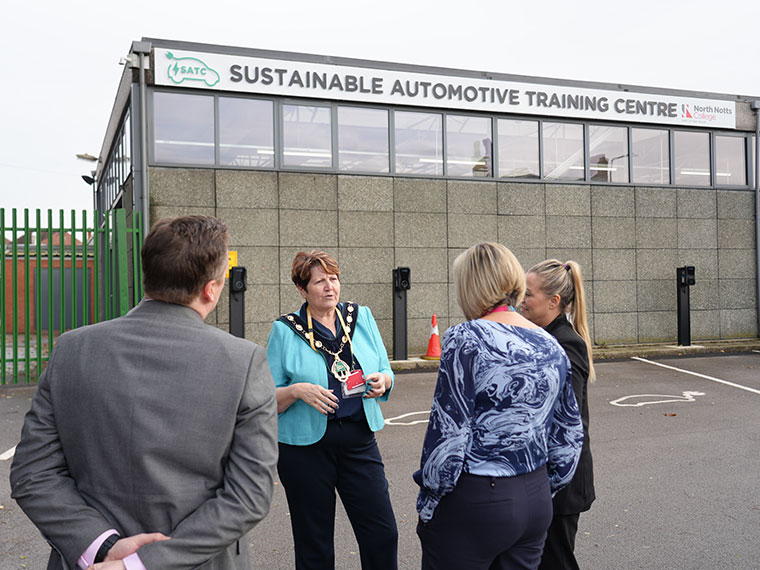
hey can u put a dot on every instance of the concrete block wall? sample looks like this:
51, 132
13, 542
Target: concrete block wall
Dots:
628, 240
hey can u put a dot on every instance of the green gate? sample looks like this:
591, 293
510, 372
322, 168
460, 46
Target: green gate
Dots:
57, 274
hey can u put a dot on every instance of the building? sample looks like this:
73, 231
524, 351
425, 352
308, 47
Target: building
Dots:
389, 165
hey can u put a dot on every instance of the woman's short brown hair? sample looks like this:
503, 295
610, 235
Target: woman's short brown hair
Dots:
303, 263
487, 275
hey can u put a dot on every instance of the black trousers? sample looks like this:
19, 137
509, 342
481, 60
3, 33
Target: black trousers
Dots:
489, 523
559, 549
348, 460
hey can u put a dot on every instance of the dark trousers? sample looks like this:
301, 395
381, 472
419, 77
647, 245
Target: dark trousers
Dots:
348, 460
489, 523
559, 550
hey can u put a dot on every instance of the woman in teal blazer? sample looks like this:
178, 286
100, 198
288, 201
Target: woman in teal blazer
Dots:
330, 369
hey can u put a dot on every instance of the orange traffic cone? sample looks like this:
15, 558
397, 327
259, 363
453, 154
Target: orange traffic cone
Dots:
434, 344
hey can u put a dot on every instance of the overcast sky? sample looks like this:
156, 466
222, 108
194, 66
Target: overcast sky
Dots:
61, 58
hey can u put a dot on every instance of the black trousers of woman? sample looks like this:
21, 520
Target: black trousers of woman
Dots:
348, 460
489, 523
560, 544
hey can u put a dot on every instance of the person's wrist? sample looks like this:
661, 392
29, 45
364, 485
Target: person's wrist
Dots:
105, 548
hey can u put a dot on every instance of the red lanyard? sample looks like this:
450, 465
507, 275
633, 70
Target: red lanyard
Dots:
500, 309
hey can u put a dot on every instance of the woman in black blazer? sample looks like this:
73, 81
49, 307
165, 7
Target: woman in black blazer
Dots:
554, 291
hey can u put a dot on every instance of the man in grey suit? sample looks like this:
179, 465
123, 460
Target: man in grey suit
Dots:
153, 423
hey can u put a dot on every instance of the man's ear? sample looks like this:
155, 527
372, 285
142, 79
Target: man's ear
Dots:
209, 291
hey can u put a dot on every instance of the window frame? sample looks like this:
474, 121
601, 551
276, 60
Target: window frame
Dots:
280, 145
669, 136
584, 147
748, 159
490, 120
388, 115
425, 111
710, 159
217, 132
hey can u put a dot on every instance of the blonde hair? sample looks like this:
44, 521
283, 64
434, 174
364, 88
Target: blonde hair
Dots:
487, 275
566, 280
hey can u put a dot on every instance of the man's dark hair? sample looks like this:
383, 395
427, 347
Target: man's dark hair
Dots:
180, 255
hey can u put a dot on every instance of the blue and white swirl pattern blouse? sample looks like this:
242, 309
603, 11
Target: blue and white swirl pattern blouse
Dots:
503, 406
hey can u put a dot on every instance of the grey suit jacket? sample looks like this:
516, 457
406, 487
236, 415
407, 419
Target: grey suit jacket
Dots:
152, 422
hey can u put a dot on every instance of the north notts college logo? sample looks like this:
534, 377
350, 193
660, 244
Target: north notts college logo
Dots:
705, 113
183, 69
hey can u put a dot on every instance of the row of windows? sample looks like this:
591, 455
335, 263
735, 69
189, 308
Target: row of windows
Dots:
259, 133
118, 169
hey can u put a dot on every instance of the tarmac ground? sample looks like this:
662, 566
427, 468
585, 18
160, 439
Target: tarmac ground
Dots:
675, 441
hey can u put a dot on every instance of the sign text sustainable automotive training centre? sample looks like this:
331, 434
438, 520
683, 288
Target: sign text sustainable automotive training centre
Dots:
328, 81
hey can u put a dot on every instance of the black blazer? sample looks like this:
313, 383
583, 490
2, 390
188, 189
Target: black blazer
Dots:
579, 494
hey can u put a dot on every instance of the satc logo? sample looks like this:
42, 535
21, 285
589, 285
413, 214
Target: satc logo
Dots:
191, 69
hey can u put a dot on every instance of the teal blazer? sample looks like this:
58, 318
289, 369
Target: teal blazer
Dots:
292, 360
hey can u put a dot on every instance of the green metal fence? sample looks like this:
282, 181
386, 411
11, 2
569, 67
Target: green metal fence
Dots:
59, 273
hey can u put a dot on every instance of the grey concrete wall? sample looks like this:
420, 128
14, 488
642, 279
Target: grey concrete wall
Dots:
628, 240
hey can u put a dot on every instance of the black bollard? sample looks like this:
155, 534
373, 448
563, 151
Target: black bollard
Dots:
684, 280
401, 284
237, 301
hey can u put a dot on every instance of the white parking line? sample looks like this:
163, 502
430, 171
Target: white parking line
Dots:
642, 401
8, 454
395, 421
726, 382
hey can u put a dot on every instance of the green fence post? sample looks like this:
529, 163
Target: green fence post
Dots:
51, 306
61, 276
37, 292
121, 260
96, 264
27, 303
3, 285
85, 273
73, 254
107, 297
14, 290
136, 241
140, 237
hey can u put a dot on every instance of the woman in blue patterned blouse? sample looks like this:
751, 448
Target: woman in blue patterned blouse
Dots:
505, 433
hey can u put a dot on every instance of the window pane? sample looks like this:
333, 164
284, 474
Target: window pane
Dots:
608, 153
183, 128
518, 149
730, 161
118, 154
651, 156
563, 151
128, 144
246, 132
363, 139
306, 136
419, 147
692, 158
468, 146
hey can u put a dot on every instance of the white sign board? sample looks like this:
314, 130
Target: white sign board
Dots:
222, 72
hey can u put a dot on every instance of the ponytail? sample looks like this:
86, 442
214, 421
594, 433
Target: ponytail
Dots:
577, 311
